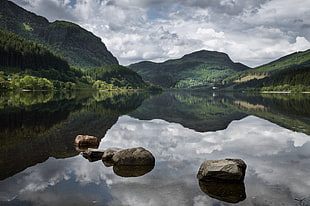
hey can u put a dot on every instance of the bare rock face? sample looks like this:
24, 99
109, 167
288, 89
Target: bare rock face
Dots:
133, 157
86, 141
227, 170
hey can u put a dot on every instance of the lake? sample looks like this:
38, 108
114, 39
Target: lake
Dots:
41, 166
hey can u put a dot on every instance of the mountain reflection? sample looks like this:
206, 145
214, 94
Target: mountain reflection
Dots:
46, 123
40, 165
203, 111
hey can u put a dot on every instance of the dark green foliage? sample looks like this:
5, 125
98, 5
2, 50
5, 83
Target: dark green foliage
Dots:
297, 79
289, 73
199, 69
292, 61
118, 76
25, 61
24, 54
80, 47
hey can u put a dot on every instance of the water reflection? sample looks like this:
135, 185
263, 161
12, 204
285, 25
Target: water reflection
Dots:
34, 135
205, 112
47, 123
227, 192
277, 160
132, 171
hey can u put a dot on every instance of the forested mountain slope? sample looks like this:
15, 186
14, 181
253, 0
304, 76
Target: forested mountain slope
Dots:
288, 73
290, 62
80, 47
28, 65
198, 69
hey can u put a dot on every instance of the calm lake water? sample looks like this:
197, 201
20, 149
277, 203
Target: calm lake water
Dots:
40, 166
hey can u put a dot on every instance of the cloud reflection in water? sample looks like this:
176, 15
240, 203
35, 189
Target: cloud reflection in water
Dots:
277, 159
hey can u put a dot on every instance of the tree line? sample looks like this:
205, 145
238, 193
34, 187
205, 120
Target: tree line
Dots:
19, 55
297, 79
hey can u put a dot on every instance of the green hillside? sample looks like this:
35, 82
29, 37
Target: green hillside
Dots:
115, 77
198, 69
289, 73
292, 61
25, 64
80, 47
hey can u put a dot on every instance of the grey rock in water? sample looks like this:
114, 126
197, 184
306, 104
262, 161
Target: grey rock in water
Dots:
133, 157
93, 154
109, 153
227, 170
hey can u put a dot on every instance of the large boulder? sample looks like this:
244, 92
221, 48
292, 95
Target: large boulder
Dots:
109, 153
227, 170
86, 141
133, 157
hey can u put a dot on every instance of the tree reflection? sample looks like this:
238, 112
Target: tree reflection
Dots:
38, 125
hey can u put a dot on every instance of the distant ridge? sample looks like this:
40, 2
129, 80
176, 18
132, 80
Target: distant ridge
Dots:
198, 69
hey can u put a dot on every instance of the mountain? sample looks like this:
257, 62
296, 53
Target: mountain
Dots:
80, 47
292, 61
198, 69
288, 73
38, 55
25, 64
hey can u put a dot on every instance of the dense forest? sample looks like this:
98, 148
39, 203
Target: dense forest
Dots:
294, 80
28, 65
116, 77
290, 73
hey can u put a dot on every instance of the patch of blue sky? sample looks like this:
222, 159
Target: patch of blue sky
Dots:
155, 12
71, 3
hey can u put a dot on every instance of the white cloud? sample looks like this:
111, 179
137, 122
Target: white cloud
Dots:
252, 32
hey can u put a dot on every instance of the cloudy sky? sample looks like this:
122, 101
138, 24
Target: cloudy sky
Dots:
252, 32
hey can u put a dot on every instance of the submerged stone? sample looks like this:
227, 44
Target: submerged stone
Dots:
227, 192
132, 171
